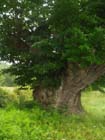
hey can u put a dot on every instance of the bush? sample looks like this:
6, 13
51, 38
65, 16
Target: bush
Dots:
24, 98
4, 98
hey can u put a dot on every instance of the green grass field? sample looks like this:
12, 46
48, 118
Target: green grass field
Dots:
35, 123
94, 104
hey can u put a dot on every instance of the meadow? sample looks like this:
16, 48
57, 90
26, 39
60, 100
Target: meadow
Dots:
23, 119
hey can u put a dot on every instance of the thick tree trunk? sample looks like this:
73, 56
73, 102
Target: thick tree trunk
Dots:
68, 96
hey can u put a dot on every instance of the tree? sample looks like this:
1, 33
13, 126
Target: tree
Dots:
56, 47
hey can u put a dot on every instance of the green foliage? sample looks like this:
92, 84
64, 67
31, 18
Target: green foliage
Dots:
39, 124
5, 98
15, 97
6, 79
41, 37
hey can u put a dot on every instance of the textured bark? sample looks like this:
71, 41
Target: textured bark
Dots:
44, 96
68, 96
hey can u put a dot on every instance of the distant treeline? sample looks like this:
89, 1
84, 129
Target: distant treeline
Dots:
5, 78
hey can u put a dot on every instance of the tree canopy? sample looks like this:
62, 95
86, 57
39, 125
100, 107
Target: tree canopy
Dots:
42, 37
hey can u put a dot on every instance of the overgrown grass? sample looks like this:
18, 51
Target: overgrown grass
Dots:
35, 123
94, 103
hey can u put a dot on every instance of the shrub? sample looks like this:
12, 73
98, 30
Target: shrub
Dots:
15, 97
4, 98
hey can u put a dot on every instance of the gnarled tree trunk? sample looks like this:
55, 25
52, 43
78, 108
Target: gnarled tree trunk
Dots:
68, 96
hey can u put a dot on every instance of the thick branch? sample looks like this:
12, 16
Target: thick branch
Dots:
75, 80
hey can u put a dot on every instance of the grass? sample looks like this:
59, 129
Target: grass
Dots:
94, 103
38, 124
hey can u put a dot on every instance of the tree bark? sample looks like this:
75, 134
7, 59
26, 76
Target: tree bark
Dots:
68, 96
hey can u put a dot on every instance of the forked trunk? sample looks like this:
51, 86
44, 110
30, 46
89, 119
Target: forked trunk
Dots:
68, 96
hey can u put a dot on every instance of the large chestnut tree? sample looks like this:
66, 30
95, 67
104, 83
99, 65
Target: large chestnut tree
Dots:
55, 46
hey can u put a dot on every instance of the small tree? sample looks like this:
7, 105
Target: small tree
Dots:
56, 46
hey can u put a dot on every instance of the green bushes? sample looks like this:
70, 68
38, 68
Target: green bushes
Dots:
5, 98
15, 97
